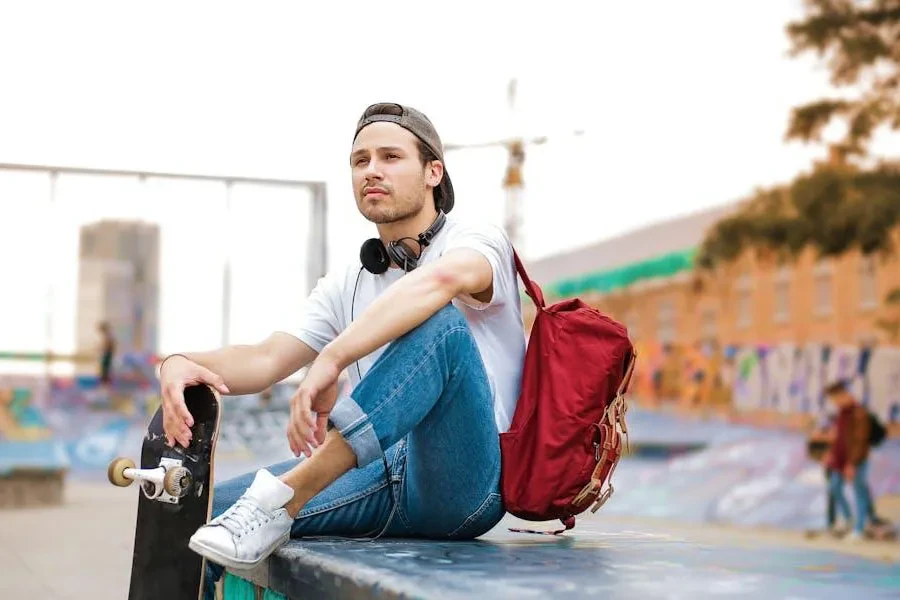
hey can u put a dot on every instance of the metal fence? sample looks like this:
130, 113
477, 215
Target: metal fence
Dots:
231, 257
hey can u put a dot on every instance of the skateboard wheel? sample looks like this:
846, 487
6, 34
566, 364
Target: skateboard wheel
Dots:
177, 481
116, 471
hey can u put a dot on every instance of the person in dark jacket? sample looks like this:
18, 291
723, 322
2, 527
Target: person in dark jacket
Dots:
818, 444
848, 456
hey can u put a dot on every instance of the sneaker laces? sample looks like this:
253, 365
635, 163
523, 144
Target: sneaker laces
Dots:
243, 517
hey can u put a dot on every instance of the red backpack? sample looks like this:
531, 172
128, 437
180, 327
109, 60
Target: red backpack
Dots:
566, 435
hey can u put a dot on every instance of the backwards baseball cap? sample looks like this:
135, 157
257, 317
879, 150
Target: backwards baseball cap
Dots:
419, 125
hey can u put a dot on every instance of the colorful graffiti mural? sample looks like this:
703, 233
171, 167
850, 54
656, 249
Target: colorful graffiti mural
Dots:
20, 420
785, 378
85, 425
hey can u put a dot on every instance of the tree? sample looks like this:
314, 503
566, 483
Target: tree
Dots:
832, 209
860, 39
838, 206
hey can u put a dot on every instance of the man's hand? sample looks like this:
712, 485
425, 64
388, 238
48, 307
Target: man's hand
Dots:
316, 394
849, 472
176, 374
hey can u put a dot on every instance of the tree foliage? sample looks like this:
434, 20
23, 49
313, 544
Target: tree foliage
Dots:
860, 41
833, 209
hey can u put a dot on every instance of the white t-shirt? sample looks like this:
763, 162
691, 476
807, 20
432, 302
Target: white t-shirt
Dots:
496, 326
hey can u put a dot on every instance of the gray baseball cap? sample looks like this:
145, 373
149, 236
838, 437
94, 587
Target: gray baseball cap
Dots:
419, 125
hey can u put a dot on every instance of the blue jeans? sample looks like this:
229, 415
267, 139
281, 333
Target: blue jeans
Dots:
860, 493
421, 423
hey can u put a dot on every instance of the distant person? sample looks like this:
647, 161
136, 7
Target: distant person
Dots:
107, 352
818, 446
848, 456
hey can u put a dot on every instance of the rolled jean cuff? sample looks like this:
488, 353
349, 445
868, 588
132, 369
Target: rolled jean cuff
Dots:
354, 426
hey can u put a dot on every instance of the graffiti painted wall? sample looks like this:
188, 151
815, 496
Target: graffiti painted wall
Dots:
81, 426
786, 378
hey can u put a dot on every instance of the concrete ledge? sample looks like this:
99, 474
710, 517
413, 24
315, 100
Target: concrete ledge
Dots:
601, 557
23, 488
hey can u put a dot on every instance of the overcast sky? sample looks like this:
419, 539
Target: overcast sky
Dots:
684, 104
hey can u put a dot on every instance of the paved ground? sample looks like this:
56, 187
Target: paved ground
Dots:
82, 550
78, 551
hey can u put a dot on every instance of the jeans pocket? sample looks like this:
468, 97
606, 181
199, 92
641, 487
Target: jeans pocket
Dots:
482, 520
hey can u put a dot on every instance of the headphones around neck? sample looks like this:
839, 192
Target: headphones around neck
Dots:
376, 257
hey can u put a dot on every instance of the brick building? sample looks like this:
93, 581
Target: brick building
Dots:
705, 338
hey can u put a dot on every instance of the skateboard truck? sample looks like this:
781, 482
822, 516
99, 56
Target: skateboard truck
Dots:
169, 482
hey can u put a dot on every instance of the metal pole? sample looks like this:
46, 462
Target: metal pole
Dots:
226, 275
156, 174
51, 222
317, 245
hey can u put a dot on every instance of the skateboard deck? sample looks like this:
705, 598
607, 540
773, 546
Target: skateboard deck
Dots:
174, 501
824, 533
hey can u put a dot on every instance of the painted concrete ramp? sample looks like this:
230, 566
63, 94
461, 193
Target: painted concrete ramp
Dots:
765, 480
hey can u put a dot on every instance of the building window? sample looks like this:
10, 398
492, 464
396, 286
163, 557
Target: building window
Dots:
631, 324
782, 295
709, 325
868, 284
666, 322
823, 288
744, 288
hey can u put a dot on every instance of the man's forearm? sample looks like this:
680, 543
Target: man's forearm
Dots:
249, 369
245, 369
403, 306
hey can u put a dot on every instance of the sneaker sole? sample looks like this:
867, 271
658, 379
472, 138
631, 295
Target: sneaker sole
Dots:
235, 563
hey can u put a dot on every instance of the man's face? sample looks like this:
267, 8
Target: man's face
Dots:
840, 398
389, 181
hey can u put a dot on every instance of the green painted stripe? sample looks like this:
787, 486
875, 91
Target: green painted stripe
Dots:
610, 280
236, 588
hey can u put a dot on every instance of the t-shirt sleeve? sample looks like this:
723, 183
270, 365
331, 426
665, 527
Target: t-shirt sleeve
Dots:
493, 244
319, 322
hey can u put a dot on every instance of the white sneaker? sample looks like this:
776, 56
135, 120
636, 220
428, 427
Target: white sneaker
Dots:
854, 537
249, 530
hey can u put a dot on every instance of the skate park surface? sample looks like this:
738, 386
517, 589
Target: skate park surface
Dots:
701, 509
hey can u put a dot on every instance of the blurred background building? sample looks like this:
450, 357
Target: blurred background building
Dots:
118, 283
648, 280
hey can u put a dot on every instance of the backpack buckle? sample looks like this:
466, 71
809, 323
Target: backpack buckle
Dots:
602, 498
587, 492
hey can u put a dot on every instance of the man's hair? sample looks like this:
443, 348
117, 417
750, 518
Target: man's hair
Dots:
426, 156
425, 153
836, 387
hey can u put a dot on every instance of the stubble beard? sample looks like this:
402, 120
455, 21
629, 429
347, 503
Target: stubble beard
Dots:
405, 207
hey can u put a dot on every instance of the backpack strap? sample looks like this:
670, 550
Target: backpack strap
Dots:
626, 379
619, 406
569, 523
531, 288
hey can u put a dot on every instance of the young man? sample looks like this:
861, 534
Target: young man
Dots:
848, 455
429, 331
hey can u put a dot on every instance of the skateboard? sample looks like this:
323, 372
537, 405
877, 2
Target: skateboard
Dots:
825, 533
174, 501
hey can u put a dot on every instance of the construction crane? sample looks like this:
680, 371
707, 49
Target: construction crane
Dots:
513, 180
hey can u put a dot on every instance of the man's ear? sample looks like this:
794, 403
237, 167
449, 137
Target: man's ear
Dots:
434, 172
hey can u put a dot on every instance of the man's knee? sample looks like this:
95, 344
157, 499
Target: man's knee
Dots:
447, 316
445, 319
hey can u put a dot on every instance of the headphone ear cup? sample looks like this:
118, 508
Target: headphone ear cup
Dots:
402, 257
374, 256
